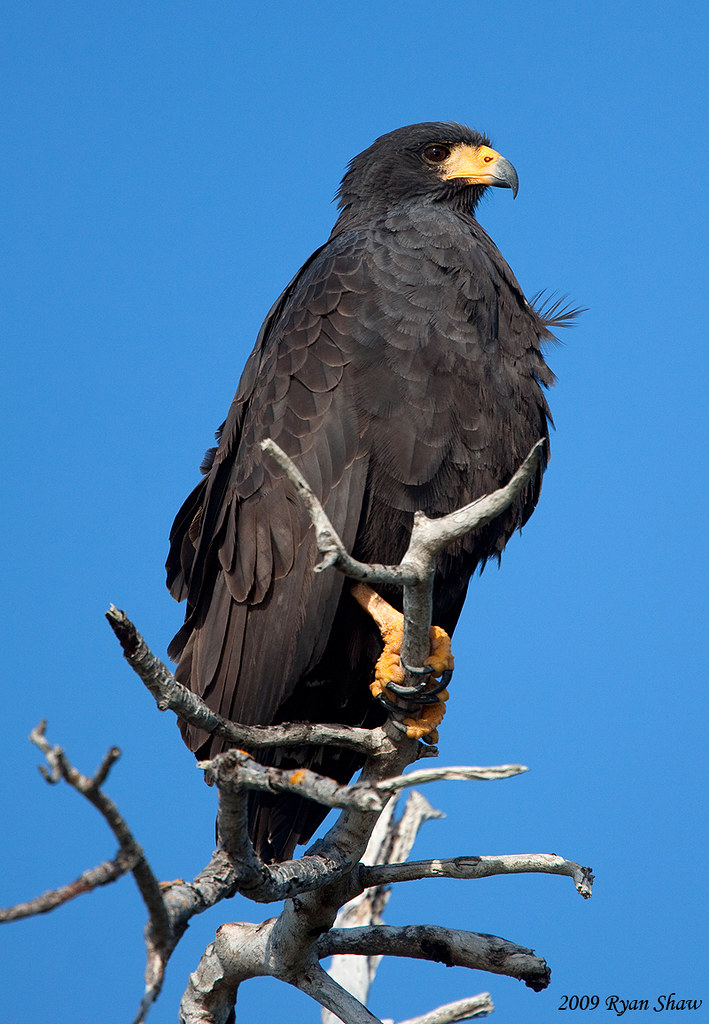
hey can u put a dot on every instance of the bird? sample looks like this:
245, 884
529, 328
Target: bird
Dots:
401, 369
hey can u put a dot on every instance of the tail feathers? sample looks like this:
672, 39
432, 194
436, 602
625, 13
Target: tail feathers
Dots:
280, 823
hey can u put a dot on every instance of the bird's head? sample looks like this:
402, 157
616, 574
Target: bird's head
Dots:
434, 162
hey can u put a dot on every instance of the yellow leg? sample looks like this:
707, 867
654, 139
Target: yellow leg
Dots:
389, 668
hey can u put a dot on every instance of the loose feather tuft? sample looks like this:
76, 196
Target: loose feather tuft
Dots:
553, 311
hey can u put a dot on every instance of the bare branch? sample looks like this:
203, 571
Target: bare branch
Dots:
461, 773
390, 841
429, 536
215, 882
318, 984
281, 948
463, 1009
481, 867
103, 874
321, 882
145, 879
449, 946
235, 771
173, 696
160, 938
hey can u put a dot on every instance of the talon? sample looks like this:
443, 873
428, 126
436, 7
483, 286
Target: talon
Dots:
390, 671
409, 692
422, 694
424, 670
391, 707
414, 696
399, 725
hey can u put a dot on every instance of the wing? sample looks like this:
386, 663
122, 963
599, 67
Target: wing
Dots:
241, 549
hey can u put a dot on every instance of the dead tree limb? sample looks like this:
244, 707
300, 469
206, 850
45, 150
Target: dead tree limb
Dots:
391, 841
60, 768
103, 874
173, 696
462, 1009
429, 537
482, 867
332, 872
314, 912
449, 946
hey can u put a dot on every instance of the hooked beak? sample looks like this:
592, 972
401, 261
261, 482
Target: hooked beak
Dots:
481, 165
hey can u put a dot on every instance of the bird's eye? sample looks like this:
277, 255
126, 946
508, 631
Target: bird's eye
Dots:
436, 154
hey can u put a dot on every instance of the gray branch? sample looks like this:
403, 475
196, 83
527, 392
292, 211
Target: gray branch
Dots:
462, 1009
448, 946
173, 696
390, 841
147, 883
462, 773
241, 951
481, 867
429, 537
234, 771
102, 874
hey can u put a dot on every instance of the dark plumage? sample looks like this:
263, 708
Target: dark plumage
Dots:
401, 370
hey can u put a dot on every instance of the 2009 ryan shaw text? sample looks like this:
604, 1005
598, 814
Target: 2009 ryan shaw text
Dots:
620, 1006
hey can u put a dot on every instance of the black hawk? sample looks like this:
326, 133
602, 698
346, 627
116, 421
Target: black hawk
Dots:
401, 369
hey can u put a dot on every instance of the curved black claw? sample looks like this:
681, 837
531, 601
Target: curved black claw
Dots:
398, 725
422, 694
445, 679
410, 692
393, 708
424, 670
427, 746
420, 698
407, 691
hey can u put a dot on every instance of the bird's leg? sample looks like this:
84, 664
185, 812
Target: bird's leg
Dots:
390, 672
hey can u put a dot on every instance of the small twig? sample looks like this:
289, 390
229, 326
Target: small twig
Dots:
103, 874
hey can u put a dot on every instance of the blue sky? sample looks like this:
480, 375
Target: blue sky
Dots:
166, 169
